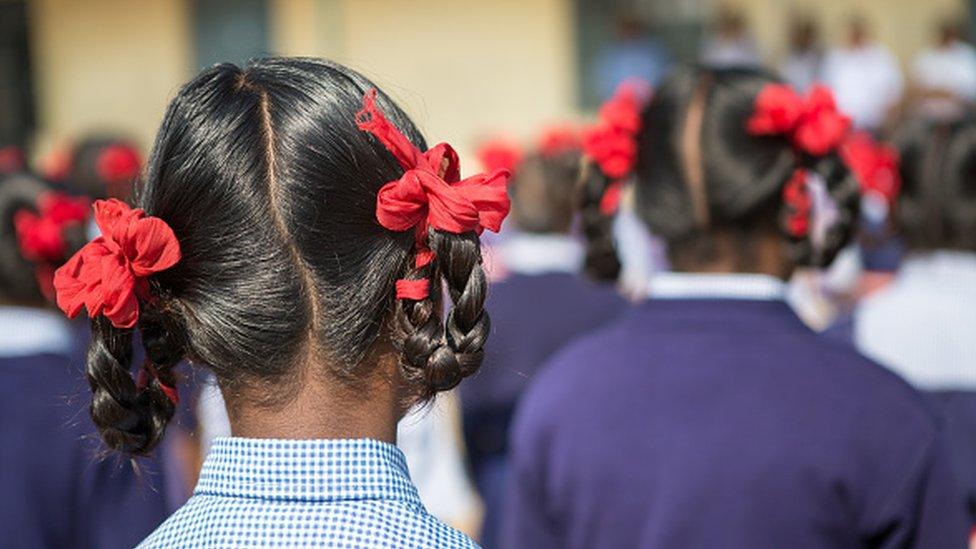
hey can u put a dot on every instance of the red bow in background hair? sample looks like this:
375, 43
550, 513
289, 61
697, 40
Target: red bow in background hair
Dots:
110, 274
611, 141
118, 164
431, 193
557, 140
796, 196
41, 234
499, 154
812, 123
874, 164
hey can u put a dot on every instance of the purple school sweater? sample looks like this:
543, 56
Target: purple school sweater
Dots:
725, 423
532, 316
55, 490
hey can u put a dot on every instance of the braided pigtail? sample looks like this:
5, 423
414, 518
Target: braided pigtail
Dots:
611, 147
601, 261
447, 214
420, 333
467, 324
843, 193
437, 354
821, 199
130, 415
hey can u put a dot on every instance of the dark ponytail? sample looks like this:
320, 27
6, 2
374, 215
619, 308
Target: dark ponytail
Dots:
600, 261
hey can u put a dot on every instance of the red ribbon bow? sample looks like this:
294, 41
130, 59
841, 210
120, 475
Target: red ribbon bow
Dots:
611, 142
41, 234
118, 164
796, 196
875, 165
109, 274
431, 193
812, 123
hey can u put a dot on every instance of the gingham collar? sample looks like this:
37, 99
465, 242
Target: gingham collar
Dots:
306, 470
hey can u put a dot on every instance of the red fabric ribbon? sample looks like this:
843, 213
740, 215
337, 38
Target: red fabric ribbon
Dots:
431, 193
557, 140
611, 142
796, 196
874, 164
40, 234
109, 274
499, 154
118, 164
147, 372
610, 201
812, 123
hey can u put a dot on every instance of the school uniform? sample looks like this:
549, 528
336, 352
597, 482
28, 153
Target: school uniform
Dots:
711, 416
542, 305
923, 327
55, 488
304, 493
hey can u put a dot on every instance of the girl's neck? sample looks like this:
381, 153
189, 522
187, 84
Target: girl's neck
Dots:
323, 407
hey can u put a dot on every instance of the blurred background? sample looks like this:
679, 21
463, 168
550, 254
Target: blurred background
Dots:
462, 67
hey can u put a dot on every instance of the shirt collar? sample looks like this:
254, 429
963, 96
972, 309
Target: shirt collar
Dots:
754, 287
306, 470
532, 254
26, 331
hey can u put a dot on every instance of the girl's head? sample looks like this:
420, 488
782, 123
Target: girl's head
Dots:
728, 194
102, 166
542, 192
39, 230
286, 277
937, 204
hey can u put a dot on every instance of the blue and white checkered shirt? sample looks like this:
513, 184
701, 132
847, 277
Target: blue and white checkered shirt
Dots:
304, 493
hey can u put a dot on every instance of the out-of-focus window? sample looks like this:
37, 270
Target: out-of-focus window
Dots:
229, 30
16, 88
617, 39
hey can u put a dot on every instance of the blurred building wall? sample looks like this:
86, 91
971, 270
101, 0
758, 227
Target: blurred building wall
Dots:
904, 26
463, 68
459, 67
106, 65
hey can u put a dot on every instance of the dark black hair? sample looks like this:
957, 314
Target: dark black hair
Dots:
19, 283
740, 176
542, 192
270, 188
937, 204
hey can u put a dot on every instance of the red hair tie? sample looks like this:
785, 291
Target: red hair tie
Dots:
41, 234
612, 142
109, 274
499, 154
147, 372
799, 203
118, 164
431, 193
812, 123
874, 165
